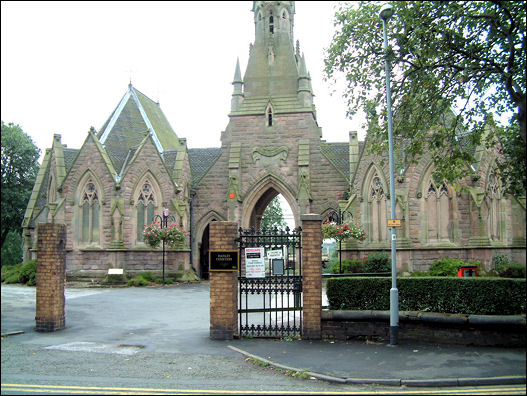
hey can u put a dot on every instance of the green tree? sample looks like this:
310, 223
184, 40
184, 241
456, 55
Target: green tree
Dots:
12, 249
19, 171
454, 63
273, 215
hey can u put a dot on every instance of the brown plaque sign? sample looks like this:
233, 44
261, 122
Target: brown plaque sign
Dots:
223, 260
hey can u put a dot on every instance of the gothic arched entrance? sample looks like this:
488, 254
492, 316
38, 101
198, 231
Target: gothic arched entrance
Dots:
259, 198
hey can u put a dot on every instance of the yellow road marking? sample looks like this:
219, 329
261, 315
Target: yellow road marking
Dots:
131, 391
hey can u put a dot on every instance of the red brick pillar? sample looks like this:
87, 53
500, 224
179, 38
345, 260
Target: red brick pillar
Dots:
51, 274
223, 285
312, 275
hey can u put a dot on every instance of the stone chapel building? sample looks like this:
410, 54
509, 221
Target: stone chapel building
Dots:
136, 165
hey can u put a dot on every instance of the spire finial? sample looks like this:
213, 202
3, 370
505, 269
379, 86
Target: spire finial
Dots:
130, 77
237, 73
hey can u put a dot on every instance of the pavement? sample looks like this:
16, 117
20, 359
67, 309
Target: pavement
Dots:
175, 319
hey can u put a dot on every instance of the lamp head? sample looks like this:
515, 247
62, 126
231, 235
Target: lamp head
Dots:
386, 12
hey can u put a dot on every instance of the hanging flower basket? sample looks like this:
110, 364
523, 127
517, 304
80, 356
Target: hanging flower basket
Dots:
172, 235
341, 232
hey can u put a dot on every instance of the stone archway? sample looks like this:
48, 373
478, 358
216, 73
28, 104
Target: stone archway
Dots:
261, 195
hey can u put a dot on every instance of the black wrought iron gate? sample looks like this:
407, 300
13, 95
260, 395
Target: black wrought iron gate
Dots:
270, 282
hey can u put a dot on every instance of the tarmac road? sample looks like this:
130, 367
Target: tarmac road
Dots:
158, 337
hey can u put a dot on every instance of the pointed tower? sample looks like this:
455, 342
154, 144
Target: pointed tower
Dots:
275, 72
237, 94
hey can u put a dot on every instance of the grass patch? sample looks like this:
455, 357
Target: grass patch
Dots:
258, 362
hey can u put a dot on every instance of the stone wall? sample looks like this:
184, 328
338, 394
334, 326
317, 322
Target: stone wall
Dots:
95, 263
481, 330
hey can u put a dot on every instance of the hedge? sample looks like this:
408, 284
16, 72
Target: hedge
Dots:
476, 296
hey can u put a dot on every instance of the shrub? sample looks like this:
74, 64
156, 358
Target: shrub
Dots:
28, 273
138, 280
21, 273
512, 270
500, 261
482, 296
12, 249
147, 278
114, 279
445, 267
378, 262
348, 266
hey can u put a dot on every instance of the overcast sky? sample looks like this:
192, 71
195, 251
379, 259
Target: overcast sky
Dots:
66, 65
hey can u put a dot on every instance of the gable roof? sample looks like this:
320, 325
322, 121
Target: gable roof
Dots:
338, 155
201, 160
135, 116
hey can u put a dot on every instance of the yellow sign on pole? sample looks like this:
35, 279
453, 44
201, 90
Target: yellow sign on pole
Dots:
394, 223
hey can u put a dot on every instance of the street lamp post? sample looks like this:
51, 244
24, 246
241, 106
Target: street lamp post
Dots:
385, 13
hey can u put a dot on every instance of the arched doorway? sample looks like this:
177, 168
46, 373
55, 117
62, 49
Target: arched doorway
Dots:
260, 206
259, 198
204, 254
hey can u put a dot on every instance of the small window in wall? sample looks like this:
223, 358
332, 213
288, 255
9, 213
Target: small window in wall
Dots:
271, 24
269, 116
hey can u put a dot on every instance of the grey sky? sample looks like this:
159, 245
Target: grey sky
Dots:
66, 65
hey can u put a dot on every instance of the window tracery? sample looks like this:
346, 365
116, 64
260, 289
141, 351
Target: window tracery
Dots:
146, 203
90, 213
436, 209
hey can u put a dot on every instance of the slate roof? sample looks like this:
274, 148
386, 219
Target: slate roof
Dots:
134, 117
169, 156
69, 157
338, 155
201, 160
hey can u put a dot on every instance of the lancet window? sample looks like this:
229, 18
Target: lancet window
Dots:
437, 209
90, 205
146, 203
493, 195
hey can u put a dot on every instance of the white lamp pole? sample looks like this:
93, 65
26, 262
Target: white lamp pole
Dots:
385, 13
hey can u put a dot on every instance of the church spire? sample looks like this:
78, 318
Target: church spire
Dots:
305, 95
237, 94
272, 69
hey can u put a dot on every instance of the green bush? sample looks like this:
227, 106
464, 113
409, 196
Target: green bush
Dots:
512, 270
445, 267
12, 249
138, 280
500, 261
114, 279
348, 266
21, 273
482, 296
378, 262
148, 278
